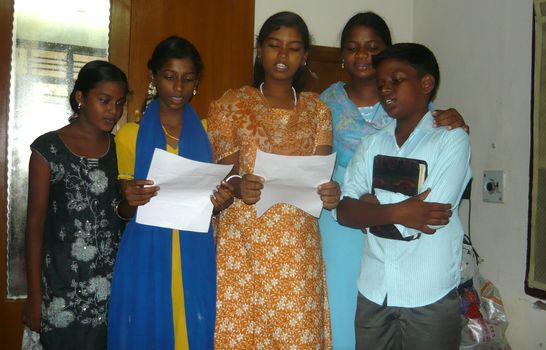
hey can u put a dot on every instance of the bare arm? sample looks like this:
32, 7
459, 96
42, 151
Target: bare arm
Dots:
38, 197
451, 118
413, 212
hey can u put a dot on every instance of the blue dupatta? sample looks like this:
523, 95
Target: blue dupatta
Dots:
140, 313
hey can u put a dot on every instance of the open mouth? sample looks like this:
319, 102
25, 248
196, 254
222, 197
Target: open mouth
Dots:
281, 66
388, 101
362, 66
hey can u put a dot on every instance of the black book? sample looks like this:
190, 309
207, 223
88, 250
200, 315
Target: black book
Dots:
397, 174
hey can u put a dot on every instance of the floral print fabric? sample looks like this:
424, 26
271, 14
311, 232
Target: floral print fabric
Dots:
271, 282
81, 236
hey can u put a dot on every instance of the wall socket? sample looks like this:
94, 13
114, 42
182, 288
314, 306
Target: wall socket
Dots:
493, 186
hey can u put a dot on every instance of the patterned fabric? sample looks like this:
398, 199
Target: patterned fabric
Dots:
271, 282
341, 245
81, 235
349, 125
143, 312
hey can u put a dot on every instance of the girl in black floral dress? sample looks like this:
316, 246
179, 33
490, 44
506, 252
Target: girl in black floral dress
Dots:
72, 230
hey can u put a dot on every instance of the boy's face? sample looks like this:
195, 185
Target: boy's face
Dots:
402, 92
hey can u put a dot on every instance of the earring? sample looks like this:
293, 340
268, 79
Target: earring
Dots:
152, 91
194, 91
304, 63
79, 106
342, 64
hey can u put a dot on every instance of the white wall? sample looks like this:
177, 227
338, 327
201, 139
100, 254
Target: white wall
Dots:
484, 51
326, 19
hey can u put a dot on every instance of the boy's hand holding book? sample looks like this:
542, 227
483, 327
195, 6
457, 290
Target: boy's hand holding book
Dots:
415, 213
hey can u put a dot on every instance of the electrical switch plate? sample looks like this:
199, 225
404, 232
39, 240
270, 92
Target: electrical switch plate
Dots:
493, 186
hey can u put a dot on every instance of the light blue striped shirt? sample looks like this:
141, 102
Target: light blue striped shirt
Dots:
419, 272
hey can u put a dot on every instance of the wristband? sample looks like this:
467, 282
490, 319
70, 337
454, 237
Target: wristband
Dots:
233, 177
117, 213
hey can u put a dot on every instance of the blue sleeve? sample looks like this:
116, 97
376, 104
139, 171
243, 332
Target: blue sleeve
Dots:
358, 177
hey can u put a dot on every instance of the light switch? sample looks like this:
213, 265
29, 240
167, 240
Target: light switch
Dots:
493, 186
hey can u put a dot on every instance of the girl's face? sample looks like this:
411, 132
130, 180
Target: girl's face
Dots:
357, 51
282, 53
103, 105
175, 82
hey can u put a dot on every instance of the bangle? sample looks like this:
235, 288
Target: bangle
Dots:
117, 213
233, 177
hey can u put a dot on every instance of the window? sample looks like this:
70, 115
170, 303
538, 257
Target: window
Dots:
52, 40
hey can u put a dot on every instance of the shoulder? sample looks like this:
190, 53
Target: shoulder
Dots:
233, 102
369, 140
312, 99
233, 96
337, 100
50, 147
127, 132
44, 142
331, 91
454, 136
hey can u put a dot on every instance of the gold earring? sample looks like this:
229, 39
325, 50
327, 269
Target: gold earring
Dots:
152, 90
342, 64
194, 91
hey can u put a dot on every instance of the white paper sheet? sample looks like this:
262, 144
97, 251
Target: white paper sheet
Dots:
292, 180
183, 201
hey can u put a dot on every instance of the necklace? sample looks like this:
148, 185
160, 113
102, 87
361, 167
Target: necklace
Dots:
293, 90
169, 135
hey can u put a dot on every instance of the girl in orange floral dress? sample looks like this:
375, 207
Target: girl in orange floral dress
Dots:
271, 281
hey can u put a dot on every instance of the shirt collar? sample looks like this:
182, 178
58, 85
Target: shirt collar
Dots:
425, 124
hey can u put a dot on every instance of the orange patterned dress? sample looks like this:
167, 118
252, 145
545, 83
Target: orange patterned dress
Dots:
271, 279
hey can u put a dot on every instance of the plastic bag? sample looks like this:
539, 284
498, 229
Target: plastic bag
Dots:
482, 311
31, 340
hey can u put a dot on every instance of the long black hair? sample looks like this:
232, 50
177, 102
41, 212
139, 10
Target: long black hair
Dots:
92, 74
174, 47
367, 19
273, 23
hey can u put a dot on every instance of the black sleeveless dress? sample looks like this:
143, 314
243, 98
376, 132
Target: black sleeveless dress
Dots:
81, 237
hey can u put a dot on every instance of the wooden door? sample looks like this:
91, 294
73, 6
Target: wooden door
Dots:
222, 31
10, 310
324, 68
